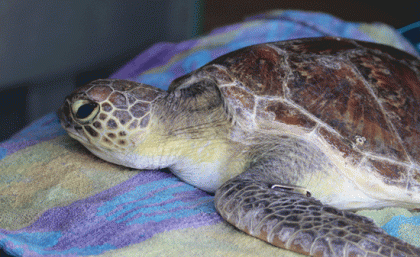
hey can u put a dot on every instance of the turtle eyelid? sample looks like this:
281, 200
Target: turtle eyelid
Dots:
85, 111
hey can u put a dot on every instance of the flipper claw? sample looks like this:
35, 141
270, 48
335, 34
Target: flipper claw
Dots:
296, 189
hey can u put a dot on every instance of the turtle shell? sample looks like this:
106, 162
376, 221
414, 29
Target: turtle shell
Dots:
362, 99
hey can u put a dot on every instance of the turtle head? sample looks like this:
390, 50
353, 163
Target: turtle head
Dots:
139, 126
110, 117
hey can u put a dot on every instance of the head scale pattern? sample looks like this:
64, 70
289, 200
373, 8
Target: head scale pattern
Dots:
108, 111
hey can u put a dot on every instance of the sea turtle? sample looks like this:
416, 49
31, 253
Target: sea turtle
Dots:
290, 136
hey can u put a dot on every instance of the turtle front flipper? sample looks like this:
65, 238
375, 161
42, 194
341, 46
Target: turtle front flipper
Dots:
300, 223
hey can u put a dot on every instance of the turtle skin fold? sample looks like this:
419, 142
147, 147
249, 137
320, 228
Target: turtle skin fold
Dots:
302, 224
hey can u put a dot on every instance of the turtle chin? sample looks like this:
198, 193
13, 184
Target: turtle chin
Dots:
104, 154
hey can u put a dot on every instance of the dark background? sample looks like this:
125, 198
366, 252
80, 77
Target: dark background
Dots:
48, 48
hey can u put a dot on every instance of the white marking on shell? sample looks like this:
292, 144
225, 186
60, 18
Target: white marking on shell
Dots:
355, 186
330, 63
360, 140
233, 84
254, 112
311, 116
382, 108
277, 49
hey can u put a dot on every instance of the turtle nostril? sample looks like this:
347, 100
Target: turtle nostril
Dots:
85, 110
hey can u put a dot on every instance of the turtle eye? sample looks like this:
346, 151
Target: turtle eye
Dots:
85, 111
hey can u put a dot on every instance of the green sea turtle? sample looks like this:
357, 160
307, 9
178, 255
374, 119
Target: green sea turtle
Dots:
290, 136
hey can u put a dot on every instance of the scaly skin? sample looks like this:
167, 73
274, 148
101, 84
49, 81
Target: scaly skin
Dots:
302, 224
